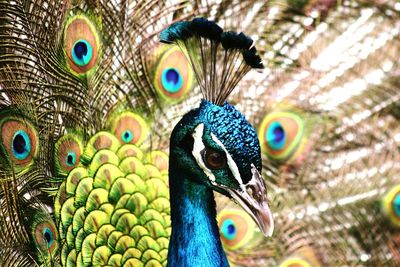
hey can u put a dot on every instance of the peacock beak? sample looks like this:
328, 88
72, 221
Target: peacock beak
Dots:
253, 199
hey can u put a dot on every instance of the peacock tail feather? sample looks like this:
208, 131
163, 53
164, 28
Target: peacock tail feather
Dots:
89, 96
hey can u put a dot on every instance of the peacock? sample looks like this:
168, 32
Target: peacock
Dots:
117, 149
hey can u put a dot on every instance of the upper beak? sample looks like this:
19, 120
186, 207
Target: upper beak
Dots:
253, 199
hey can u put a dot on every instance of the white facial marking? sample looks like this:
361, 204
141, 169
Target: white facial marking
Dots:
198, 146
231, 163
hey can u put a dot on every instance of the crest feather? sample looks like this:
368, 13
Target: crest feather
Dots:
217, 70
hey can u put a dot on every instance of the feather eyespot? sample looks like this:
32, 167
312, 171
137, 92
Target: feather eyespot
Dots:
236, 228
173, 75
281, 135
71, 158
171, 80
68, 151
129, 128
21, 145
82, 44
228, 229
19, 139
81, 53
48, 236
213, 159
127, 136
276, 135
45, 237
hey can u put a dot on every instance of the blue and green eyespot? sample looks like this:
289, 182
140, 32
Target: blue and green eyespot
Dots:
396, 205
228, 229
82, 45
236, 229
127, 136
19, 140
44, 235
21, 145
48, 236
129, 127
70, 159
173, 75
276, 136
282, 135
82, 52
171, 80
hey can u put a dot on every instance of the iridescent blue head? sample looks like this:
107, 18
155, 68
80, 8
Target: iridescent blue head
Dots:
227, 130
218, 147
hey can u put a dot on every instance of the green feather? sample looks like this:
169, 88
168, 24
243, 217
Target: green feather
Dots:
108, 199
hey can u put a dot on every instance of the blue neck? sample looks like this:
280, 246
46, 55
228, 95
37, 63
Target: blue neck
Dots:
195, 240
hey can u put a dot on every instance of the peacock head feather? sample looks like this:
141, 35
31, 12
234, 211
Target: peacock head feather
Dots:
220, 149
215, 144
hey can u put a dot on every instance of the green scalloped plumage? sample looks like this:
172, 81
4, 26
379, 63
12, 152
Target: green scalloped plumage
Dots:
108, 210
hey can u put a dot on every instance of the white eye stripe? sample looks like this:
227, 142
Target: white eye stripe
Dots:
198, 146
231, 163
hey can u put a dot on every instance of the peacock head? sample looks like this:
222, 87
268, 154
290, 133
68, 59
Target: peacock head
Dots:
214, 143
219, 148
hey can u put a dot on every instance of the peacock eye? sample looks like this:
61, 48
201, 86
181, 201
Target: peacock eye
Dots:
81, 52
45, 236
129, 128
214, 159
81, 44
276, 136
172, 80
391, 205
228, 229
48, 236
173, 75
127, 136
281, 135
19, 140
71, 158
21, 145
67, 153
236, 229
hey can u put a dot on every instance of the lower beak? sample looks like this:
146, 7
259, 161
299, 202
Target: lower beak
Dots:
253, 199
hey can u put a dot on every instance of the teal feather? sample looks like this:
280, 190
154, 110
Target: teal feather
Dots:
178, 30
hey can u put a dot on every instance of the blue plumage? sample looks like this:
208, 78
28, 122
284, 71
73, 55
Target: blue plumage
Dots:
238, 136
195, 239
